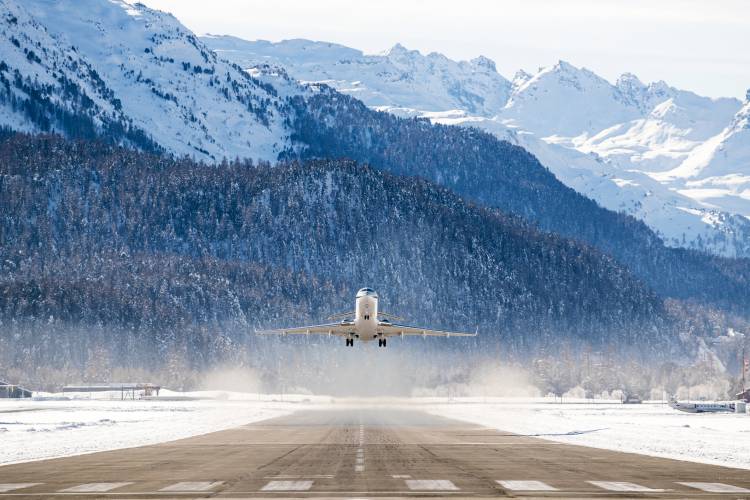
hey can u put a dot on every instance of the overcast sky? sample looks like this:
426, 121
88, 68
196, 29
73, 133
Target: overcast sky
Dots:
702, 46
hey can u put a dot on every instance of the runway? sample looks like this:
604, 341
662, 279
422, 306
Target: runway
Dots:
367, 452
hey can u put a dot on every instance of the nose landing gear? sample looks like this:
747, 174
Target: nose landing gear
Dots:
349, 342
382, 342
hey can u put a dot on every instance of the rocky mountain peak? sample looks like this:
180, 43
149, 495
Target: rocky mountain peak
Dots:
484, 62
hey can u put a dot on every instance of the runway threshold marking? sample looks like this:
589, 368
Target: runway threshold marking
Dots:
526, 485
624, 486
192, 486
431, 484
16, 486
287, 486
93, 487
716, 487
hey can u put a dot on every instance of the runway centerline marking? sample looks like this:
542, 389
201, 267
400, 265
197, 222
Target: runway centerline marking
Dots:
401, 476
192, 486
305, 476
431, 484
287, 486
623, 486
16, 486
93, 487
716, 487
526, 485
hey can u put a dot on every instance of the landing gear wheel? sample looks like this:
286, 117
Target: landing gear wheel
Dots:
382, 342
349, 342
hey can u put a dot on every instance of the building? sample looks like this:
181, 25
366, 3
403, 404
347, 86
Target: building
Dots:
13, 391
126, 390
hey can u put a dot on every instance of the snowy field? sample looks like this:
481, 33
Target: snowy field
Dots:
35, 430
651, 428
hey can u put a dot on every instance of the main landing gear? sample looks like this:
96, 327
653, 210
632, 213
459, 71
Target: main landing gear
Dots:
349, 342
382, 342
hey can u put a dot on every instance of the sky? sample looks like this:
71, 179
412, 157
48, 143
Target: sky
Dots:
703, 46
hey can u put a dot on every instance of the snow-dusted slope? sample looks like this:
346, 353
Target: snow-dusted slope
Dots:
149, 69
35, 67
563, 100
618, 144
678, 219
673, 123
398, 77
718, 171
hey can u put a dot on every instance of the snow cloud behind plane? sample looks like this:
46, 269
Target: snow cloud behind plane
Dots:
696, 45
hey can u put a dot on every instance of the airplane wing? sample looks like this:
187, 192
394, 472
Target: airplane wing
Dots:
340, 329
343, 315
391, 317
388, 329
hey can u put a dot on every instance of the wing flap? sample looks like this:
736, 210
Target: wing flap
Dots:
392, 330
339, 329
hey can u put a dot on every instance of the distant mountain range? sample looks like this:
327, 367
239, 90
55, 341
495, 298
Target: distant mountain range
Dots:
675, 160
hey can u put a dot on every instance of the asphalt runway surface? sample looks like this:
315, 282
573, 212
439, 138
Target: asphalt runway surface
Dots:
365, 453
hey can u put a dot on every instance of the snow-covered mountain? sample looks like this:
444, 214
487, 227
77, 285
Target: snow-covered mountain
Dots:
398, 77
136, 75
125, 65
621, 144
718, 170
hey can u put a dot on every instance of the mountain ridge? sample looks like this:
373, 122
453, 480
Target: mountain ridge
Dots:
317, 121
608, 141
173, 254
155, 72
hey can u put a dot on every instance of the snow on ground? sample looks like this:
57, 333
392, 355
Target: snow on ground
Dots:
651, 428
36, 430
40, 429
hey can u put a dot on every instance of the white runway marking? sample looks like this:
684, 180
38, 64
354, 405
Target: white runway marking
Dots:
94, 487
431, 484
526, 486
622, 486
306, 476
359, 468
16, 486
288, 486
716, 487
401, 476
192, 486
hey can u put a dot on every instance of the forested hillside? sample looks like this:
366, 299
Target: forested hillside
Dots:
481, 168
154, 258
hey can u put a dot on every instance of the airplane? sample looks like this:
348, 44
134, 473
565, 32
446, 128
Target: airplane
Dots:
365, 323
702, 407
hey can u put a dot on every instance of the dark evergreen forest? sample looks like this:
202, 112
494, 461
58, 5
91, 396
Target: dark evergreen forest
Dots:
495, 173
145, 257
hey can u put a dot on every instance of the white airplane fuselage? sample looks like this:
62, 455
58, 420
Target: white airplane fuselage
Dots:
364, 324
366, 315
